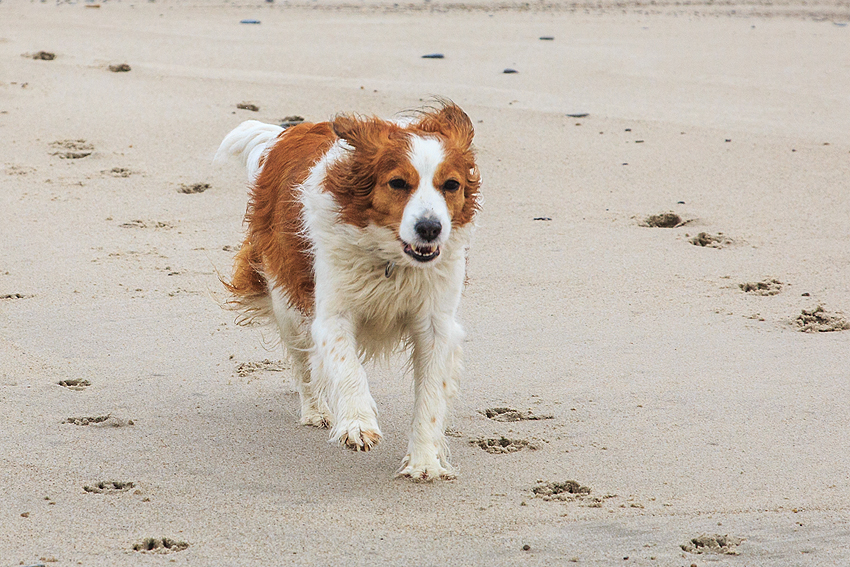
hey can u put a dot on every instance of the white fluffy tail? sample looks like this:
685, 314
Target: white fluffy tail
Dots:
249, 141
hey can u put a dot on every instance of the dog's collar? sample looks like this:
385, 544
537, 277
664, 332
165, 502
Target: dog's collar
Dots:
388, 271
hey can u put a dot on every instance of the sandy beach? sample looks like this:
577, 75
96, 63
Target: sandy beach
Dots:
691, 379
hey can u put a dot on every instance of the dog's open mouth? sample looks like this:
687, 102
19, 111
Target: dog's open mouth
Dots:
423, 253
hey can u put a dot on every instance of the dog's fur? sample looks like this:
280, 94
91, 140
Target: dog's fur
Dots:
357, 235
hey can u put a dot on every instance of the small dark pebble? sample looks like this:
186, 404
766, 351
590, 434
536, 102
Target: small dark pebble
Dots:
728, 139
638, 141
510, 71
526, 547
542, 218
628, 129
433, 56
547, 38
44, 56
249, 21
807, 294
248, 106
120, 68
680, 202
580, 115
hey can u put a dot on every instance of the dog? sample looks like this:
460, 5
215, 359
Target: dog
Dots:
357, 237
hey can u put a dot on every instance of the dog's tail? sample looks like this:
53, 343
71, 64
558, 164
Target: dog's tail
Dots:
249, 141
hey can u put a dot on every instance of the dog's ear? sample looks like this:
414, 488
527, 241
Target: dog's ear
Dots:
450, 121
364, 134
349, 128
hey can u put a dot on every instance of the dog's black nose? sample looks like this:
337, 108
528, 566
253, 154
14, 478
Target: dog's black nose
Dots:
428, 229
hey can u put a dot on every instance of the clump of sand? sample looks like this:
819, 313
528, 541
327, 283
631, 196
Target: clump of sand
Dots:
566, 491
764, 287
818, 320
720, 544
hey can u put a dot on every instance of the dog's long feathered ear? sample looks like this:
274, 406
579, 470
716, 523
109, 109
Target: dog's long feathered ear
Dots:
349, 128
364, 134
450, 121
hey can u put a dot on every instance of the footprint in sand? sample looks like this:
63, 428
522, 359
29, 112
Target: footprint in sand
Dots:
818, 320
77, 384
41, 56
511, 414
71, 149
138, 223
571, 491
18, 170
566, 491
502, 445
99, 421
14, 296
764, 287
245, 369
293, 120
716, 543
109, 487
665, 220
160, 545
193, 188
118, 172
707, 240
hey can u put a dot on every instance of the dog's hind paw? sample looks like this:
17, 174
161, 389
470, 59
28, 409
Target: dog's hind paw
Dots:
425, 471
316, 420
315, 414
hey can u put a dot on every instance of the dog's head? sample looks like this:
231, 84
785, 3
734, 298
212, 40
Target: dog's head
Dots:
418, 179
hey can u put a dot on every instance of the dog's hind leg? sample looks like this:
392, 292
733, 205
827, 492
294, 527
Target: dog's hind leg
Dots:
295, 335
314, 411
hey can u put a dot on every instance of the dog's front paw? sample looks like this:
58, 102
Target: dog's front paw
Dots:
356, 435
425, 470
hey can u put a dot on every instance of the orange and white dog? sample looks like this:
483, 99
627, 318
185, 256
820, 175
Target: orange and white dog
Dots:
357, 236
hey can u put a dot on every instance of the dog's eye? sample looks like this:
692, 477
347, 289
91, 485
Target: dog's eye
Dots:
398, 183
451, 185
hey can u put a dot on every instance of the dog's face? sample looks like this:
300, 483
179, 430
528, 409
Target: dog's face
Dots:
418, 180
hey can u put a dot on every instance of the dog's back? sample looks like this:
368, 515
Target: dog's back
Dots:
275, 247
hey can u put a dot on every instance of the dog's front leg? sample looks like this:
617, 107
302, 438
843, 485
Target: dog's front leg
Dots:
343, 381
436, 371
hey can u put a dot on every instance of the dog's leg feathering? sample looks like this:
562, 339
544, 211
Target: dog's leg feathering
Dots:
295, 336
342, 381
437, 363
